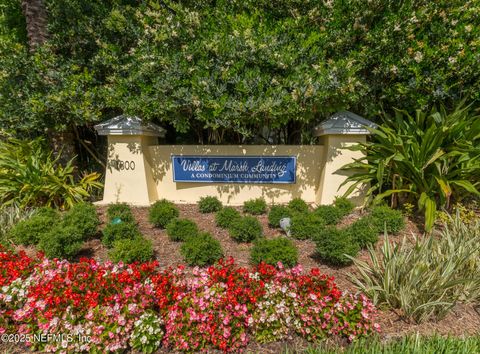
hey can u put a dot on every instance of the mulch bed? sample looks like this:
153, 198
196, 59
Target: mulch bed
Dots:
463, 320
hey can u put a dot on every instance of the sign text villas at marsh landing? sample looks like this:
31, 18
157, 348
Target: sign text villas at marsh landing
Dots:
140, 171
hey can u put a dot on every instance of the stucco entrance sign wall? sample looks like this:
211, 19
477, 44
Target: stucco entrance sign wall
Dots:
140, 171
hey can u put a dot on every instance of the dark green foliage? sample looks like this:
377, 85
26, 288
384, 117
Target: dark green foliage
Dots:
226, 216
209, 204
201, 250
387, 219
84, 218
180, 229
306, 226
273, 251
162, 212
120, 210
298, 205
278, 212
61, 242
333, 243
330, 214
137, 249
364, 232
30, 231
345, 205
255, 206
120, 231
245, 229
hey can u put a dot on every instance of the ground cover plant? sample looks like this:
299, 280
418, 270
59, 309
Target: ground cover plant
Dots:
425, 279
219, 307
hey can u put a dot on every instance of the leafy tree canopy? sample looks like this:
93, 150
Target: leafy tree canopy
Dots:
234, 67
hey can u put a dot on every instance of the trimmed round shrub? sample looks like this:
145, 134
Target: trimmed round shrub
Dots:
120, 231
62, 241
345, 205
278, 212
363, 232
273, 251
333, 244
298, 205
246, 229
162, 212
226, 216
137, 249
209, 204
31, 230
255, 206
306, 226
82, 216
201, 250
180, 229
387, 219
121, 211
330, 214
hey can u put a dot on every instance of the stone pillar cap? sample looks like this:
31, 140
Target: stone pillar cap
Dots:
344, 122
129, 125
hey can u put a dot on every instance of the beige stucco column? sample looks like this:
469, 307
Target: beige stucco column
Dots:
340, 131
128, 176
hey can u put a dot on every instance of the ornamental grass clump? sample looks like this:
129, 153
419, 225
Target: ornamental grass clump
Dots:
162, 212
272, 251
276, 213
255, 206
209, 204
226, 216
179, 229
427, 278
246, 229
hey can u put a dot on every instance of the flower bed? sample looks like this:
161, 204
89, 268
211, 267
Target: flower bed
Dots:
118, 306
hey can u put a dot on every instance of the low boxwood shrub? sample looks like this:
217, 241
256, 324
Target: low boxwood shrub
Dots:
162, 212
209, 204
62, 241
246, 229
180, 229
333, 244
345, 205
306, 226
275, 250
30, 231
387, 219
298, 205
330, 214
255, 206
276, 213
226, 216
364, 232
201, 250
121, 211
84, 217
132, 250
113, 232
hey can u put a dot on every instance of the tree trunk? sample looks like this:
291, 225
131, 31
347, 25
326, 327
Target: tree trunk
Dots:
36, 18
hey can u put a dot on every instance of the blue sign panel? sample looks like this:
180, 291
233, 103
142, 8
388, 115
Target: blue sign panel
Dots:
234, 169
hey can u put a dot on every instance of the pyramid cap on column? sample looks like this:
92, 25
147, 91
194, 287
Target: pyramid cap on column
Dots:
129, 125
344, 122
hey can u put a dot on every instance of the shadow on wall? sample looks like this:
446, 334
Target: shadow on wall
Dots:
309, 161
